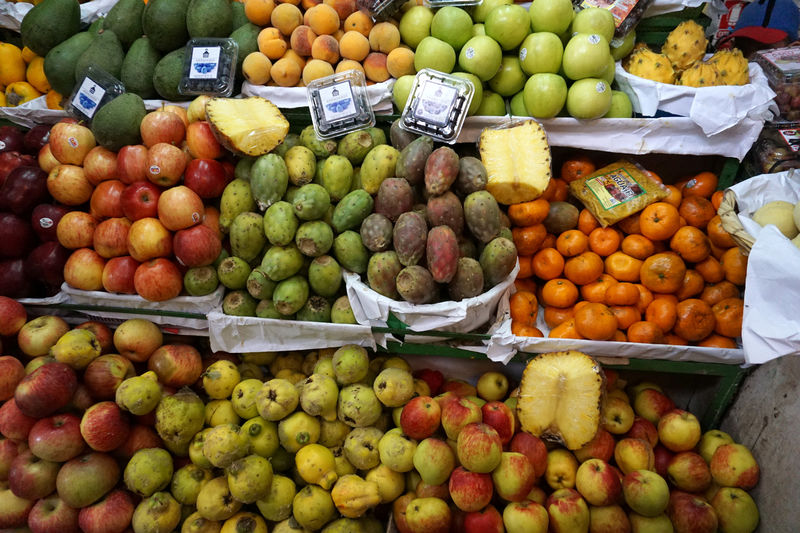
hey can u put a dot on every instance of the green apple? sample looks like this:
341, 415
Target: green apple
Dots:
483, 9
594, 20
589, 98
415, 25
401, 91
551, 15
477, 96
610, 71
650, 524
710, 441
517, 104
452, 25
541, 52
735, 510
586, 56
492, 105
481, 55
620, 49
478, 29
544, 95
510, 79
508, 25
436, 54
620, 106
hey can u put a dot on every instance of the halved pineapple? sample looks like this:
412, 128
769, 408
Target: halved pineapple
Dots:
251, 126
560, 397
517, 161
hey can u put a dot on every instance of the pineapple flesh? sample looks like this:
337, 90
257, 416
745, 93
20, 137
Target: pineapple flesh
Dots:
700, 75
685, 45
647, 64
251, 126
560, 398
732, 67
517, 162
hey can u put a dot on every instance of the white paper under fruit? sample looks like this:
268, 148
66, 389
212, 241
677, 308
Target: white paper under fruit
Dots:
714, 109
771, 323
379, 94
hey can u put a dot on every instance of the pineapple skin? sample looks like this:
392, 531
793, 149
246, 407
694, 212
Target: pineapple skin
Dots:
685, 45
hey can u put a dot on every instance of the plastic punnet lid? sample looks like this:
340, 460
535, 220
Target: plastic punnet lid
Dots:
209, 67
339, 104
380, 10
94, 89
780, 64
437, 105
443, 3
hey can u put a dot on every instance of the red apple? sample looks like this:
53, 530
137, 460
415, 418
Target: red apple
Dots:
111, 237
137, 339
106, 200
459, 387
46, 390
68, 184
634, 454
652, 404
206, 177
57, 438
45, 265
76, 230
158, 280
733, 465
470, 491
84, 270
47, 161
691, 514
36, 137
81, 400
87, 478
434, 378
14, 424
118, 275
420, 417
399, 507
9, 450
598, 483
178, 110
148, 239
426, 490
196, 246
177, 365
165, 164
140, 200
12, 316
533, 448
514, 477
13, 159
486, 521
457, 413
70, 142
100, 165
201, 141
31, 477
102, 332
139, 438
567, 511
45, 219
430, 515
11, 372
38, 335
600, 447
13, 510
104, 426
23, 188
211, 220
643, 429
52, 515
132, 164
105, 374
479, 448
501, 418
112, 514
689, 472
162, 127
526, 516
179, 208
662, 457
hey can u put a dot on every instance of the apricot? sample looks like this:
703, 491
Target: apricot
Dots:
259, 11
349, 64
316, 68
286, 17
359, 21
256, 67
291, 54
322, 19
326, 48
338, 34
400, 62
285, 72
271, 43
375, 67
343, 7
353, 46
293, 2
384, 37
302, 39
308, 4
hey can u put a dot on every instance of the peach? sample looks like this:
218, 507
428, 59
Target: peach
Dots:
308, 4
302, 39
293, 2
286, 17
259, 11
322, 19
326, 48
285, 72
400, 62
291, 54
338, 34
353, 46
359, 21
256, 67
375, 67
349, 64
384, 37
343, 7
316, 68
272, 47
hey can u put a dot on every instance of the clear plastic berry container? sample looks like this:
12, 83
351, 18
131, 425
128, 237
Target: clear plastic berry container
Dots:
782, 68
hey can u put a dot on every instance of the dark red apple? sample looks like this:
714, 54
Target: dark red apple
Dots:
46, 390
44, 219
46, 263
663, 456
206, 177
434, 379
140, 200
23, 189
177, 365
106, 200
16, 236
11, 139
9, 450
102, 333
105, 374
105, 426
487, 520
501, 418
196, 246
140, 437
57, 438
31, 477
420, 417
11, 160
132, 163
118, 275
533, 448
52, 515
12, 316
13, 282
158, 280
35, 138
81, 400
14, 424
691, 513
112, 514
11, 373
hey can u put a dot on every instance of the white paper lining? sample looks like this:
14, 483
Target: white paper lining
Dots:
379, 94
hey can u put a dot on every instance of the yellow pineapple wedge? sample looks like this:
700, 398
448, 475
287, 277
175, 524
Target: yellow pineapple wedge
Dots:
560, 397
517, 162
251, 126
